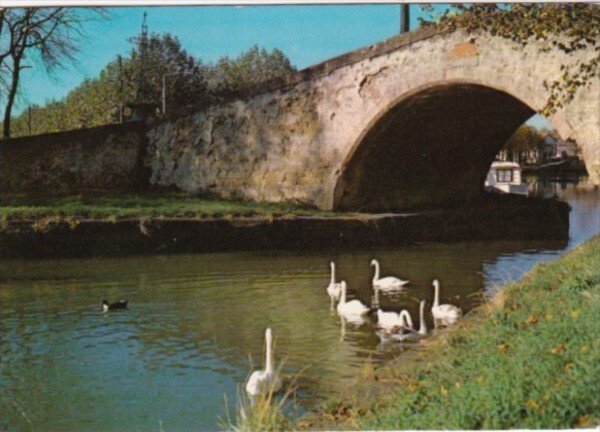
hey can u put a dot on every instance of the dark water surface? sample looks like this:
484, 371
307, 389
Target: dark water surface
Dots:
196, 320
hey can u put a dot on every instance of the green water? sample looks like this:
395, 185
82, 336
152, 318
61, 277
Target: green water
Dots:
196, 323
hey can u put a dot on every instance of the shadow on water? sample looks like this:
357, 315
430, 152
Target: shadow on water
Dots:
194, 320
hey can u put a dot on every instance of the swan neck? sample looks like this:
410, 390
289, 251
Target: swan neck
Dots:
406, 318
376, 276
269, 353
422, 323
436, 296
332, 274
343, 297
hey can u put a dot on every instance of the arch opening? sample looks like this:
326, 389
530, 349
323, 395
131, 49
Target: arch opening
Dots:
431, 148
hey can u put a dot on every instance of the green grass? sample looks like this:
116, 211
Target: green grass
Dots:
18, 207
528, 359
267, 412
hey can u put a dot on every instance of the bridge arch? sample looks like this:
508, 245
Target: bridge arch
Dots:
432, 144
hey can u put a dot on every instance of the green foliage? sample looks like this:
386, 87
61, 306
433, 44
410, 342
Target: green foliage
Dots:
188, 81
525, 139
184, 73
98, 101
569, 27
531, 362
250, 68
100, 205
265, 413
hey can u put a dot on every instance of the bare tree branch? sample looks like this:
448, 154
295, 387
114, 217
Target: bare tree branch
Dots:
52, 33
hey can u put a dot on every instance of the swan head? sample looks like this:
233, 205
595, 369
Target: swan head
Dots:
331, 264
373, 262
436, 283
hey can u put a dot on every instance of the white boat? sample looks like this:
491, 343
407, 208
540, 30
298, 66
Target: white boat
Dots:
505, 177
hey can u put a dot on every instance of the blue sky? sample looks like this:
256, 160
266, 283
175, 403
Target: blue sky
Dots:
306, 34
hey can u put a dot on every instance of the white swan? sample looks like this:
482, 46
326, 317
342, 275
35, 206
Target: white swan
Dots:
387, 283
408, 324
388, 320
447, 314
395, 325
267, 380
407, 330
422, 323
350, 310
393, 320
334, 289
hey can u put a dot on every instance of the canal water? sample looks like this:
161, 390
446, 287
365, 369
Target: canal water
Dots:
196, 323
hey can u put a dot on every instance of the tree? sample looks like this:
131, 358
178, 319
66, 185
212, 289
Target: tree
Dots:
249, 68
526, 143
569, 27
188, 81
165, 57
98, 101
46, 34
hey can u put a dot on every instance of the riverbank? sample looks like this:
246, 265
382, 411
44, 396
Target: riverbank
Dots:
565, 167
77, 226
100, 205
527, 359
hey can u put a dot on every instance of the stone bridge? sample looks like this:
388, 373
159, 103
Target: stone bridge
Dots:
414, 120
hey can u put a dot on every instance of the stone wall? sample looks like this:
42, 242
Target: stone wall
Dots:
106, 157
264, 149
499, 218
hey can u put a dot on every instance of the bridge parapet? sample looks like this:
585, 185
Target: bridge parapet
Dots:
312, 72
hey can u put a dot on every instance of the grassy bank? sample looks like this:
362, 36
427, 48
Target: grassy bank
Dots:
20, 207
528, 359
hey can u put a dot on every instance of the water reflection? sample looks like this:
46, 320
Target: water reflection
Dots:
195, 325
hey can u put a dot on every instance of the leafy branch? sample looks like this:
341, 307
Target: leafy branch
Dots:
568, 27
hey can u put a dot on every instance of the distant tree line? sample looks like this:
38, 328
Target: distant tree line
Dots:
188, 81
529, 145
526, 145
